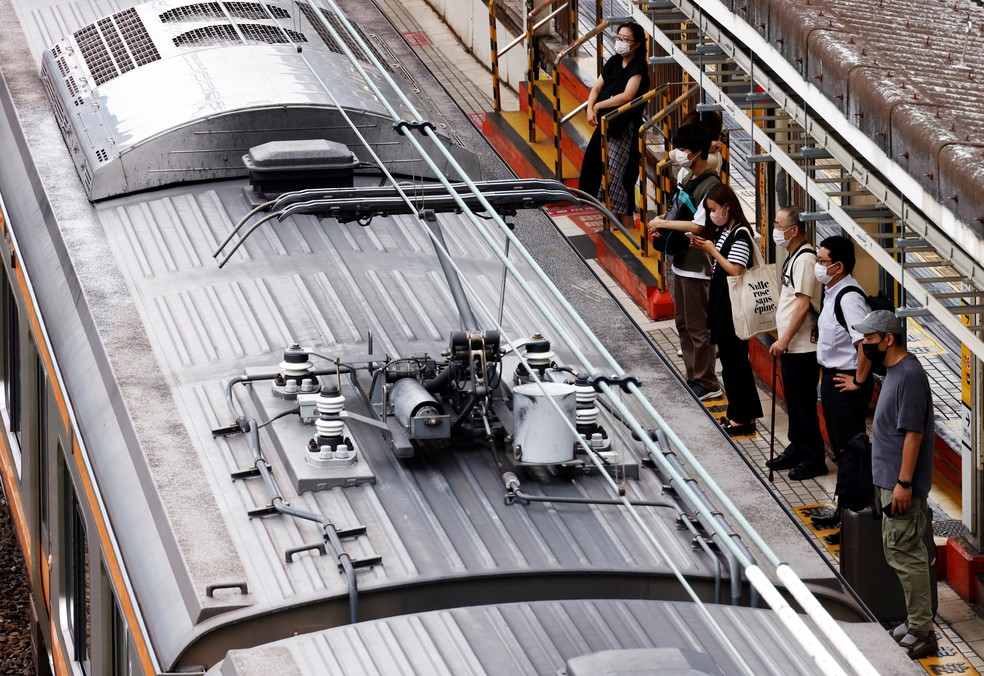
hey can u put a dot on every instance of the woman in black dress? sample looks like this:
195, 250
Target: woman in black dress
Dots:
730, 250
623, 77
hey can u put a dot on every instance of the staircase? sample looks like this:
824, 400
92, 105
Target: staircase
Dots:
508, 132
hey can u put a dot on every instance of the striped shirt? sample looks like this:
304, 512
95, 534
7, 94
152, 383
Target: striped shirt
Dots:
741, 251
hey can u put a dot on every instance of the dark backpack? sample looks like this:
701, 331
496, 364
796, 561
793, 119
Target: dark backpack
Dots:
682, 208
855, 486
879, 302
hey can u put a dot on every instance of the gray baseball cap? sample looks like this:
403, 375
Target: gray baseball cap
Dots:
880, 321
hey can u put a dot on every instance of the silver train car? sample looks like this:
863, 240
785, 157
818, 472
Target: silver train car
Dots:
294, 381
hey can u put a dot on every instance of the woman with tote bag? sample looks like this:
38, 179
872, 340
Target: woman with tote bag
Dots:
730, 252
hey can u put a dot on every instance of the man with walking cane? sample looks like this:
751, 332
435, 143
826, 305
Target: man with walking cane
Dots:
796, 349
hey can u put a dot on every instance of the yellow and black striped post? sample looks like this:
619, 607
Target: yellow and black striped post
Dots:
494, 44
532, 73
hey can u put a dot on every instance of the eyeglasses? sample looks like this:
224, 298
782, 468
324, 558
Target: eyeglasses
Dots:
619, 38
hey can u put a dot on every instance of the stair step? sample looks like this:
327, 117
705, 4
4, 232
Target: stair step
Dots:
577, 76
574, 135
506, 131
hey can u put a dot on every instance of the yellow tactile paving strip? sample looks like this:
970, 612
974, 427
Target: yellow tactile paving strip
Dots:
718, 408
805, 512
948, 659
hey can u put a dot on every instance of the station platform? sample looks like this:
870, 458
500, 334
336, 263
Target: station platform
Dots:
959, 622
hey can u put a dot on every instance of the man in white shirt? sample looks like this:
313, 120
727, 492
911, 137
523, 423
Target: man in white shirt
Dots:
845, 385
796, 348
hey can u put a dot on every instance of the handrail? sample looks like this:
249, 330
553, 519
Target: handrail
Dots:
607, 119
532, 63
571, 115
665, 112
494, 49
662, 182
558, 122
527, 36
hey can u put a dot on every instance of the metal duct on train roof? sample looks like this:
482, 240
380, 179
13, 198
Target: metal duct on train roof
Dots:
169, 92
279, 166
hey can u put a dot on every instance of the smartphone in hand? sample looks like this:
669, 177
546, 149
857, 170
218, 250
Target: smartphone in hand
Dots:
887, 510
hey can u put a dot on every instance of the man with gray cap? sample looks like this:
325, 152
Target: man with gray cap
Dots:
902, 469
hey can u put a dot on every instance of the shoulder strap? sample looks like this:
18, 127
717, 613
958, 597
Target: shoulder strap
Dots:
838, 312
692, 184
756, 254
685, 197
788, 264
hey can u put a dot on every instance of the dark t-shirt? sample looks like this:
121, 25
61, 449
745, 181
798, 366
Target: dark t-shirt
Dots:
904, 404
616, 78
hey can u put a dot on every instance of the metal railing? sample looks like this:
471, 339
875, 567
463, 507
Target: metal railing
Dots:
662, 119
557, 119
567, 11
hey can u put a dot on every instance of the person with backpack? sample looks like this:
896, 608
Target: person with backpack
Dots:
796, 348
691, 270
846, 384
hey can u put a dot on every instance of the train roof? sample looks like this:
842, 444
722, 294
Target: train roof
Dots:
574, 638
904, 73
167, 92
151, 337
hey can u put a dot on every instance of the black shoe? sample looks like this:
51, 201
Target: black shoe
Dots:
833, 539
826, 520
745, 429
785, 460
704, 393
802, 472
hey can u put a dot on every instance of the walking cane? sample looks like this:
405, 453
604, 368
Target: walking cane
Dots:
772, 426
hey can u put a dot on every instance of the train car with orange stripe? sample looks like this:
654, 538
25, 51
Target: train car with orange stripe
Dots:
297, 379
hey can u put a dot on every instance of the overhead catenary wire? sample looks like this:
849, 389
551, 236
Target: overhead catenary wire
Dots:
548, 314
553, 320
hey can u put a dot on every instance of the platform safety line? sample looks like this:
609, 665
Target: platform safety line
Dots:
948, 658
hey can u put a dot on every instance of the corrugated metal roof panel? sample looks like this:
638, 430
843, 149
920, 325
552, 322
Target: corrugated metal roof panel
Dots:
532, 638
326, 285
905, 72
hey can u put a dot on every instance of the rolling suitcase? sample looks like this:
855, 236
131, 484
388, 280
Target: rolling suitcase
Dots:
863, 565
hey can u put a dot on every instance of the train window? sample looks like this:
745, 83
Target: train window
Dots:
77, 582
11, 360
119, 642
42, 449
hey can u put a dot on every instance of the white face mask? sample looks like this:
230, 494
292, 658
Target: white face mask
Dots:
779, 237
820, 270
680, 158
622, 48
